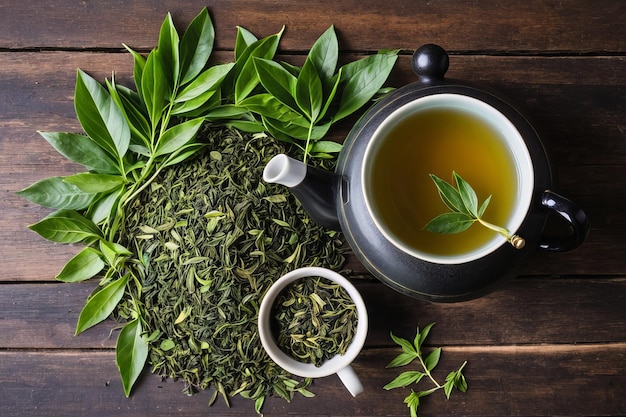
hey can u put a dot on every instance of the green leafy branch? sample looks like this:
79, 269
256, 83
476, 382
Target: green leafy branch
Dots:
412, 351
301, 103
465, 211
131, 135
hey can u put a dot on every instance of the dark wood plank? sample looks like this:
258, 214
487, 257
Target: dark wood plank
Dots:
530, 26
44, 316
512, 381
580, 118
521, 312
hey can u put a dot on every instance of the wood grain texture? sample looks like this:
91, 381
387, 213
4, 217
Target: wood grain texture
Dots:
523, 312
517, 381
548, 343
533, 26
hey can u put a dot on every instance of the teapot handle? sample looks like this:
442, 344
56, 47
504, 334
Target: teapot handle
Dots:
574, 216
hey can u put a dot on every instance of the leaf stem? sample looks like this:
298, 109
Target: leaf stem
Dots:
504, 232
144, 183
517, 241
308, 141
428, 374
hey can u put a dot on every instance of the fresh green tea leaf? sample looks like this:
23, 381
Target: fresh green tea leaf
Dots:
427, 364
324, 55
483, 207
95, 183
55, 193
449, 195
209, 80
326, 146
154, 88
293, 130
100, 117
101, 209
291, 68
269, 106
309, 94
402, 359
191, 106
247, 126
101, 304
432, 359
468, 195
66, 226
277, 81
448, 386
423, 334
112, 250
85, 265
169, 53
459, 381
330, 96
244, 39
178, 136
183, 153
404, 344
226, 112
405, 379
196, 46
131, 353
247, 78
139, 65
450, 223
82, 150
131, 105
363, 79
412, 401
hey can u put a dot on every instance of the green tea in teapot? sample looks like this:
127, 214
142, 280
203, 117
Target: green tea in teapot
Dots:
439, 140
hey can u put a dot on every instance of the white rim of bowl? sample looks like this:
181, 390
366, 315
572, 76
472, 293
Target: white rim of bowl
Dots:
309, 370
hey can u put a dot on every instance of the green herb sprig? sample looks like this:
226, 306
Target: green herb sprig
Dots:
465, 211
412, 351
301, 103
131, 136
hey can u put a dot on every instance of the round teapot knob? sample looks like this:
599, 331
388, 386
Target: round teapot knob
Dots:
430, 62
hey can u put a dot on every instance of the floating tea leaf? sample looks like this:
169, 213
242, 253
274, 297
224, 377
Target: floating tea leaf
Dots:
463, 203
219, 238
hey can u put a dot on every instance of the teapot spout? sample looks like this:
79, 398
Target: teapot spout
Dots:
316, 189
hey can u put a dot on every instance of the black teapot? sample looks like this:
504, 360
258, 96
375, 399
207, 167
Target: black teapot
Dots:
373, 197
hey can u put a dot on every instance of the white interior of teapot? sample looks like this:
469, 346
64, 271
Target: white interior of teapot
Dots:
507, 132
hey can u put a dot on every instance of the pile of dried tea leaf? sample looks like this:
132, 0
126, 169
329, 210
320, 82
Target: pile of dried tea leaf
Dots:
209, 237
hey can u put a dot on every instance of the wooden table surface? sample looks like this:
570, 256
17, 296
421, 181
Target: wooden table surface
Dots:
551, 342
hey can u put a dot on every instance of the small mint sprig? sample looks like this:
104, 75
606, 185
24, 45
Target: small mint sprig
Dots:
412, 351
465, 211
